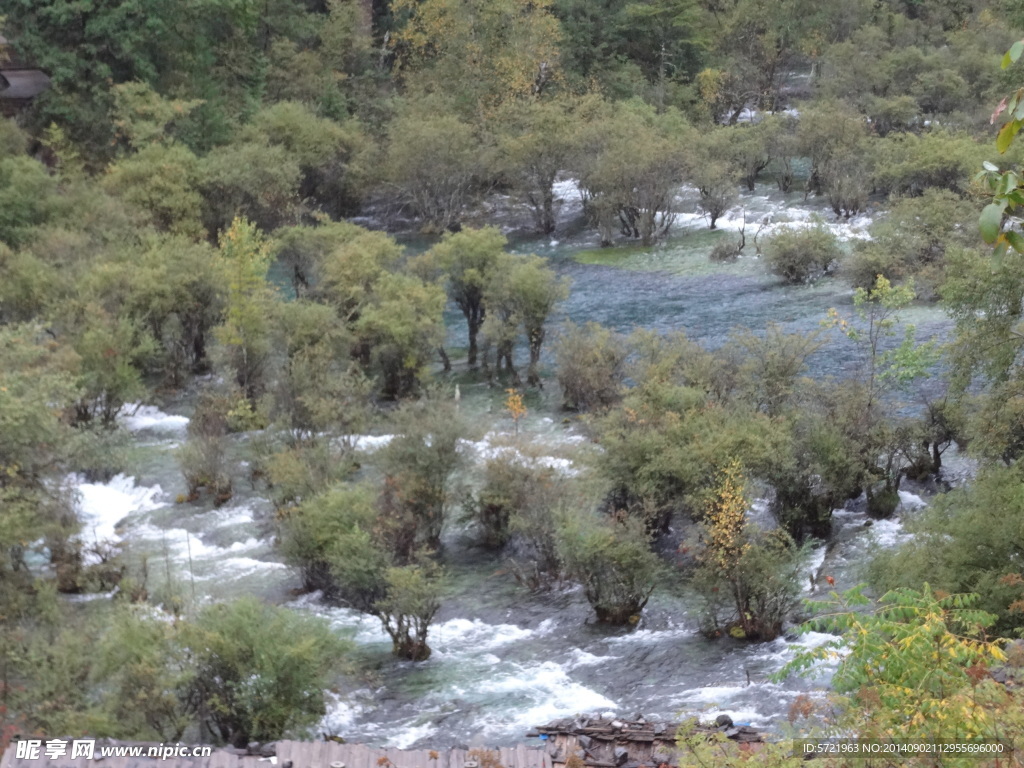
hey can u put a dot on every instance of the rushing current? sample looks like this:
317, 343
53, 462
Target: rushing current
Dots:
505, 660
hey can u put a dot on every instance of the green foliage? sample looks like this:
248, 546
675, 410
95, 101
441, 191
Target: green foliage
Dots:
418, 464
259, 670
163, 181
536, 141
630, 164
37, 388
480, 57
591, 364
252, 180
968, 540
303, 250
521, 296
757, 570
401, 326
611, 558
26, 198
345, 542
912, 241
467, 260
432, 160
678, 427
914, 668
517, 491
883, 441
802, 255
244, 334
144, 671
333, 530
908, 164
203, 457
413, 599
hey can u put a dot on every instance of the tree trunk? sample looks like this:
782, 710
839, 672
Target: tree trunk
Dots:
548, 215
474, 319
532, 375
445, 360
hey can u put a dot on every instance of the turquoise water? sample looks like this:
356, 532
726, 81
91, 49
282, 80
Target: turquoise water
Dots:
506, 660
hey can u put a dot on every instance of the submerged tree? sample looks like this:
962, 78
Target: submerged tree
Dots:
758, 569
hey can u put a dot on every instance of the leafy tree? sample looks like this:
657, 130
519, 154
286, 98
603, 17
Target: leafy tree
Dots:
204, 455
830, 135
591, 364
163, 181
467, 260
802, 255
401, 326
630, 166
329, 155
144, 671
536, 141
304, 250
966, 540
522, 294
914, 668
343, 543
871, 426
259, 670
758, 569
479, 56
418, 465
26, 198
174, 289
244, 334
613, 562
912, 241
318, 392
432, 160
312, 532
253, 180
37, 386
667, 439
908, 164
112, 356
717, 186
514, 487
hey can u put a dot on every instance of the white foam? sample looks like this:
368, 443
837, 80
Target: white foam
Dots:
239, 567
103, 505
556, 694
580, 658
465, 634
369, 443
814, 563
492, 447
911, 500
152, 418
340, 716
889, 533
406, 737
364, 629
652, 635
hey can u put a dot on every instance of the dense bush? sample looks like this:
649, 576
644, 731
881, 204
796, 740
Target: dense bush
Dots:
967, 539
611, 558
591, 363
802, 255
748, 577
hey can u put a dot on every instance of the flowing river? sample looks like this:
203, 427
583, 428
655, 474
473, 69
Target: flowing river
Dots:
505, 660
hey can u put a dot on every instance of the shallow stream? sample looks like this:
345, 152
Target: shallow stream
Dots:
505, 660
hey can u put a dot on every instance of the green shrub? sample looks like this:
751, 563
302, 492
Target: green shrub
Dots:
802, 255
591, 366
260, 671
612, 559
